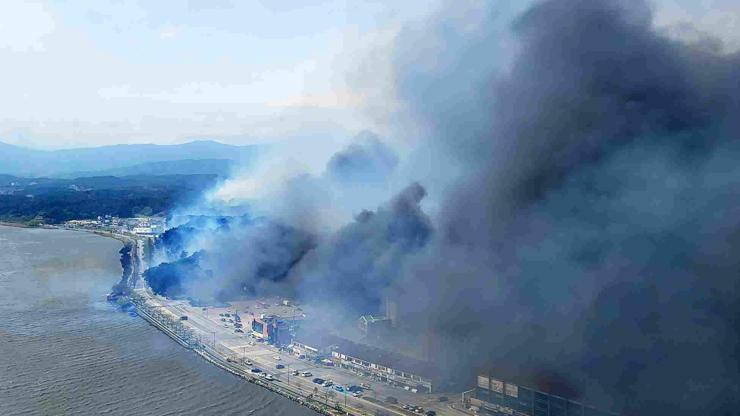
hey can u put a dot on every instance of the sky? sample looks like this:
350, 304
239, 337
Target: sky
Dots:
124, 71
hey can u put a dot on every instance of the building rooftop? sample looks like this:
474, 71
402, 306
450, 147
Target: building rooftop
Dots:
367, 353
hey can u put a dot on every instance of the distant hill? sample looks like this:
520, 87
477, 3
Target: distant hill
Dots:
219, 167
20, 161
56, 200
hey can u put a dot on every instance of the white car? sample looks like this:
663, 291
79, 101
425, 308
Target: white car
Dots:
248, 362
277, 358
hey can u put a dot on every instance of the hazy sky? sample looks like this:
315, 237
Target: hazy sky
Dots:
85, 73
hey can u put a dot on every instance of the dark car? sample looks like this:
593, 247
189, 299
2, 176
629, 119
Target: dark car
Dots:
279, 366
391, 400
431, 413
355, 389
318, 380
256, 370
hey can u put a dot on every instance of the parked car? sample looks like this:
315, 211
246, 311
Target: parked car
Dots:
354, 389
318, 380
279, 366
339, 388
248, 362
256, 370
431, 413
306, 374
328, 383
391, 400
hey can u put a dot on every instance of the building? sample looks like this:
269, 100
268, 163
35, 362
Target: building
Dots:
272, 329
386, 366
374, 327
313, 346
496, 397
381, 365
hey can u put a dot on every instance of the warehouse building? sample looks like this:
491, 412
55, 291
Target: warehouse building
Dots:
496, 397
406, 372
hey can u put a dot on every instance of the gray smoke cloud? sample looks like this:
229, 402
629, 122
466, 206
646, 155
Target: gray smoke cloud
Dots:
366, 160
590, 247
218, 256
586, 238
354, 266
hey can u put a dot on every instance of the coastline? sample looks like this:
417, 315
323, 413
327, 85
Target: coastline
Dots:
139, 299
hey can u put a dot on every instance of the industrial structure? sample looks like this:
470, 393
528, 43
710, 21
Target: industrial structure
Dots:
496, 397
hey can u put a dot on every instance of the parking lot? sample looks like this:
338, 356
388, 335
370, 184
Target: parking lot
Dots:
213, 328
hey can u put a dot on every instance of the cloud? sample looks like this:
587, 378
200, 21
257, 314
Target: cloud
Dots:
24, 27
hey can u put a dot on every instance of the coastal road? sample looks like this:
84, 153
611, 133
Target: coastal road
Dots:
266, 357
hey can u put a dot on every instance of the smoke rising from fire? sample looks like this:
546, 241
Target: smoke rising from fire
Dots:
593, 238
584, 166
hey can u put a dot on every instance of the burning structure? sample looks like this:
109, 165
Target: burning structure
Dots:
496, 397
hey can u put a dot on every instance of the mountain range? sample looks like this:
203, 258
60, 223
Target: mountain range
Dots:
202, 157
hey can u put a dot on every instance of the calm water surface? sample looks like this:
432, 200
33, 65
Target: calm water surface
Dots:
65, 351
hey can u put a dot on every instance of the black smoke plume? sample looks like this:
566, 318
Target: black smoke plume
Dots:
592, 244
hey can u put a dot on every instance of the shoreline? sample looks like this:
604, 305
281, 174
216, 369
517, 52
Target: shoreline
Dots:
24, 225
214, 357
